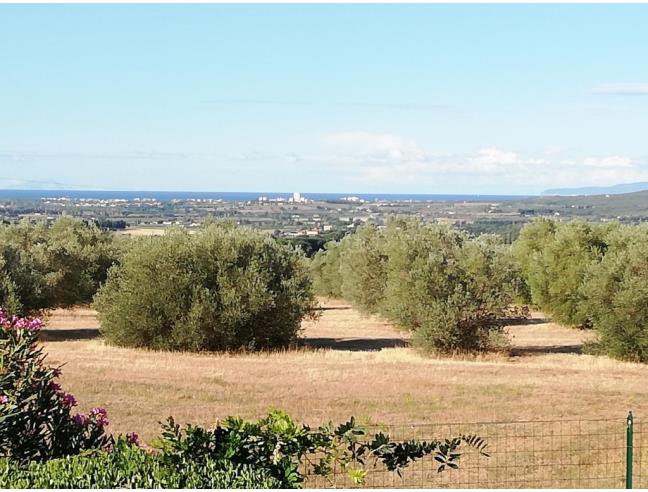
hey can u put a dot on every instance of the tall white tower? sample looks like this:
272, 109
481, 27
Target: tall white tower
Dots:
297, 197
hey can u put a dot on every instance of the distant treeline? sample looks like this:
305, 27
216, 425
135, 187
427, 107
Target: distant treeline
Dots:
112, 225
508, 230
310, 245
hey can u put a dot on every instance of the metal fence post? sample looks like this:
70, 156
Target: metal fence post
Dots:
629, 449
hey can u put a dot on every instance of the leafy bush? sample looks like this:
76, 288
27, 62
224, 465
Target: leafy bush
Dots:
527, 251
280, 447
616, 291
36, 420
271, 453
450, 290
225, 287
554, 258
128, 466
591, 275
45, 266
362, 268
325, 270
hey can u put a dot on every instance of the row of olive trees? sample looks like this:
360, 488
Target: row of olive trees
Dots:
453, 292
44, 266
593, 276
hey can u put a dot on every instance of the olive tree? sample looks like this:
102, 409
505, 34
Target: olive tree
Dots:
554, 258
325, 270
616, 290
362, 268
44, 266
450, 290
225, 287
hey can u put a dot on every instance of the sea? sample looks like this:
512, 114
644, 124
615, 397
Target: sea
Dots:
242, 196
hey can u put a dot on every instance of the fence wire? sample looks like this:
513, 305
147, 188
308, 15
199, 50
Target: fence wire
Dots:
640, 461
525, 454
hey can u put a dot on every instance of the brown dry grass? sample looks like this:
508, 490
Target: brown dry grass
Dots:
395, 385
365, 368
143, 231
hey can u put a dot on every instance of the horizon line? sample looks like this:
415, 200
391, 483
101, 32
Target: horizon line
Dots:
351, 193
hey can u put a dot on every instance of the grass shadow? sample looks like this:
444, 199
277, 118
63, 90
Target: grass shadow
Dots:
353, 344
65, 335
525, 321
546, 349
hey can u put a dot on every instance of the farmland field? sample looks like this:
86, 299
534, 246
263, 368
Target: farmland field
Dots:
348, 364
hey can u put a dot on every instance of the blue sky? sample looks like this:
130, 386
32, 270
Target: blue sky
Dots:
338, 98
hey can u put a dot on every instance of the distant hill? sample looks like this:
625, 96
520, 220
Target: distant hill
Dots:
17, 184
631, 207
598, 190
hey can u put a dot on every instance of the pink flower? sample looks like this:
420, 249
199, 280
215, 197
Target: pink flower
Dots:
16, 322
80, 419
56, 372
4, 399
4, 321
133, 438
34, 324
99, 416
69, 400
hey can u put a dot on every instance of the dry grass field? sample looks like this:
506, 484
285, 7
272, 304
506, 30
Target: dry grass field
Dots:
143, 231
350, 364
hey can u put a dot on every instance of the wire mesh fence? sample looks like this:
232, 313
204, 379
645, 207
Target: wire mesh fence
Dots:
640, 455
524, 454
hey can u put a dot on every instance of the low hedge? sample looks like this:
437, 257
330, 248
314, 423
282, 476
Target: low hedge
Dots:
130, 467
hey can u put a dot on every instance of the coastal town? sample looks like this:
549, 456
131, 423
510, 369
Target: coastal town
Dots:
292, 215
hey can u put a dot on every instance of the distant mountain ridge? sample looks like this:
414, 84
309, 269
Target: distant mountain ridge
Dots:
18, 184
598, 190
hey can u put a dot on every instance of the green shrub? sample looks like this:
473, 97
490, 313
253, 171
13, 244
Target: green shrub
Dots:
554, 258
451, 291
36, 420
225, 287
591, 275
362, 268
277, 445
616, 293
45, 266
527, 251
127, 466
325, 270
271, 453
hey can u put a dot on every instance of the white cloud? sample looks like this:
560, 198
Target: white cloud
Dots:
377, 145
390, 159
612, 162
622, 89
493, 156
